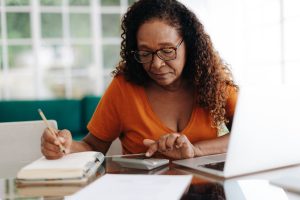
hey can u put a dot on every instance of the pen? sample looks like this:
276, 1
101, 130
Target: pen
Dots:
53, 132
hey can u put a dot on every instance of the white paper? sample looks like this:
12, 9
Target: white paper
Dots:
71, 165
131, 187
70, 161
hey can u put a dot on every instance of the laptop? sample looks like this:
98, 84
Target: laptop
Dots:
20, 144
265, 133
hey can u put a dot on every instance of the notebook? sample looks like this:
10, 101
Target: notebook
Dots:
20, 144
71, 168
264, 135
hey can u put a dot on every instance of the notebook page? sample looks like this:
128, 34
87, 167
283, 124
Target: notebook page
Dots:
70, 161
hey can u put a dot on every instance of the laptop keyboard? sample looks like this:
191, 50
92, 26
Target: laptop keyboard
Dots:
217, 166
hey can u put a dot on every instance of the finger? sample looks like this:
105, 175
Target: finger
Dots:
180, 141
52, 156
48, 136
152, 146
63, 140
49, 154
50, 147
170, 142
152, 149
65, 135
162, 143
49, 140
148, 142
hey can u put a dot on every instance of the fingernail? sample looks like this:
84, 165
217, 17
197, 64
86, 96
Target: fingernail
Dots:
148, 154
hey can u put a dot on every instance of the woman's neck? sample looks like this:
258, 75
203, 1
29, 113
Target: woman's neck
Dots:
177, 86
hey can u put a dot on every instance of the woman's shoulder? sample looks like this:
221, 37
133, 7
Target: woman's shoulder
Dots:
232, 90
231, 99
121, 82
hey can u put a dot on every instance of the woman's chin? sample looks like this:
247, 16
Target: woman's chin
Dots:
164, 82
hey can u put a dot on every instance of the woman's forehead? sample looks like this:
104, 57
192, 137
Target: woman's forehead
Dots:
158, 31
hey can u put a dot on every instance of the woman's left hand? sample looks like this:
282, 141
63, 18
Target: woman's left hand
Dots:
174, 145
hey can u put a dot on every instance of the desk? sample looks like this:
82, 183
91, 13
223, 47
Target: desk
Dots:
203, 186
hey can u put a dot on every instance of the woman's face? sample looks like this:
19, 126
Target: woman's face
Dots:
154, 35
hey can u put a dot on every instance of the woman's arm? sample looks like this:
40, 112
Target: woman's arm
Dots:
213, 146
90, 143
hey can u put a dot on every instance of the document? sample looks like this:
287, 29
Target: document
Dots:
131, 187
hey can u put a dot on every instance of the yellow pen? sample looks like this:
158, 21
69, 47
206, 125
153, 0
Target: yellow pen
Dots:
54, 133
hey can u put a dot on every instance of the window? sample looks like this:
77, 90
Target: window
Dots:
68, 48
58, 48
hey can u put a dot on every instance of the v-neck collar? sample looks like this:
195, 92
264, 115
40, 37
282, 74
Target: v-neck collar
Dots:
158, 120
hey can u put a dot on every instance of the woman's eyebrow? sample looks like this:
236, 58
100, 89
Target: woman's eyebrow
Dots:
144, 46
169, 44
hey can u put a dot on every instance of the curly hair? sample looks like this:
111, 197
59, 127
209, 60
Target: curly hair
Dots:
204, 69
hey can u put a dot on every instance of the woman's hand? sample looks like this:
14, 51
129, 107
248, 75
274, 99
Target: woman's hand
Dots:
174, 145
50, 144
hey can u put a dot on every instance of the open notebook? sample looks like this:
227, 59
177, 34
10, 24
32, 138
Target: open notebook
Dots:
72, 168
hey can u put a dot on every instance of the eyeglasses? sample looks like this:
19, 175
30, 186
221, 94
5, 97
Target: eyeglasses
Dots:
165, 54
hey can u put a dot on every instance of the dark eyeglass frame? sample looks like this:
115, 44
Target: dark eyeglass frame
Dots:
135, 53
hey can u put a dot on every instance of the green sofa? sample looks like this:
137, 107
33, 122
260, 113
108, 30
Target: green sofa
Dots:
72, 114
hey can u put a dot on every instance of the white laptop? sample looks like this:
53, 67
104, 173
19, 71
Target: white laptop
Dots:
20, 144
265, 133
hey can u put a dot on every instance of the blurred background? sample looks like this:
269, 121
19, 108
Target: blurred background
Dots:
68, 48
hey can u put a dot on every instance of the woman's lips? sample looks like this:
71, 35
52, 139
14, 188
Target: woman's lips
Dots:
160, 75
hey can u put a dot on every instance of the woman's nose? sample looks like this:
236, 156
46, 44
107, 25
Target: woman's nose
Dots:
157, 62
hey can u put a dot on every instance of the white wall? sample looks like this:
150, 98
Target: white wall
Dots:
259, 39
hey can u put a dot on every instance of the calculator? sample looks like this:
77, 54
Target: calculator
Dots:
140, 162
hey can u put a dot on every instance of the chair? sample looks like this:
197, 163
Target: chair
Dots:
20, 144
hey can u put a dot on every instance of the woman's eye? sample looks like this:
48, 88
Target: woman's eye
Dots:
167, 51
144, 53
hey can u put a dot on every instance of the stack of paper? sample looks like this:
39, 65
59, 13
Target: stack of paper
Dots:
123, 186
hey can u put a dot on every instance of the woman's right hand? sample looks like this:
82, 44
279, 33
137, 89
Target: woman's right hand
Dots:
50, 144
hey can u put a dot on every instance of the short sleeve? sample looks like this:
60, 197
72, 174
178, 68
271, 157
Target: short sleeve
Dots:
231, 102
105, 123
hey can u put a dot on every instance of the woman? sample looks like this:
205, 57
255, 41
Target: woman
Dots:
170, 94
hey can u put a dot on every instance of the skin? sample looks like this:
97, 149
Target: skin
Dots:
170, 98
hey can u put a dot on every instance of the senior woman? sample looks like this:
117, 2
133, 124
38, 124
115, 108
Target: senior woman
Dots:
170, 94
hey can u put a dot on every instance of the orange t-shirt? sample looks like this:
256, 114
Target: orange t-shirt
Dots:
124, 112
